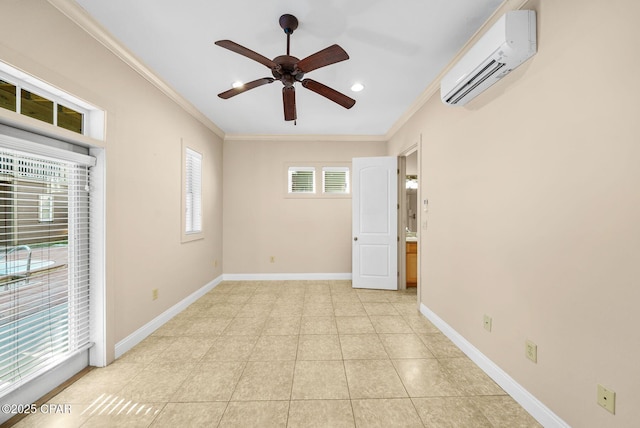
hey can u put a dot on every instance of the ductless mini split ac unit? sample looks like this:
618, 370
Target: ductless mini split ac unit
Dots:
506, 45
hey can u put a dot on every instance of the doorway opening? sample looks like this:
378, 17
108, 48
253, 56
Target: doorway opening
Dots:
408, 219
411, 230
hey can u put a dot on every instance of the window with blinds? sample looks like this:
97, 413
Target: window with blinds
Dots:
44, 264
193, 191
302, 179
335, 179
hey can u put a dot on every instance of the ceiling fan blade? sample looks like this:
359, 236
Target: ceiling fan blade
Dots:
327, 92
289, 102
239, 49
327, 56
240, 89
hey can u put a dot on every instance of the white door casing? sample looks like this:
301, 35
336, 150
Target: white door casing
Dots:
375, 223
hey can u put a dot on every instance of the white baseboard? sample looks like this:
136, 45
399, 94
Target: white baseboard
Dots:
140, 334
530, 403
286, 276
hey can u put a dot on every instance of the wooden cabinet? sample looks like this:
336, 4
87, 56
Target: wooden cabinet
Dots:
412, 264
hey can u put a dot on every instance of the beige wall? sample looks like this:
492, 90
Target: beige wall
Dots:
143, 158
305, 235
534, 208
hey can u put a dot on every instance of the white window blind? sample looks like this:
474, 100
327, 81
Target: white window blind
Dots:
301, 180
193, 192
44, 264
335, 179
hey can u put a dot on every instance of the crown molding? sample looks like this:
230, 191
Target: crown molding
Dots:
305, 137
81, 18
434, 86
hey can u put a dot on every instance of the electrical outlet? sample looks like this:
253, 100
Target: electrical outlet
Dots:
487, 322
273, 259
607, 399
531, 351
154, 294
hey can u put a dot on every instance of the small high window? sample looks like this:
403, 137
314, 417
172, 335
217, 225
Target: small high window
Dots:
302, 179
335, 179
317, 179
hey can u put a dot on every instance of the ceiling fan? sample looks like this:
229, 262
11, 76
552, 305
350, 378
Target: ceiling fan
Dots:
289, 70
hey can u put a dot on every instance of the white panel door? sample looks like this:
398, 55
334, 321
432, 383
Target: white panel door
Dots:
375, 223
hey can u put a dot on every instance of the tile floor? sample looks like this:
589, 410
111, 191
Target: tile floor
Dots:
291, 354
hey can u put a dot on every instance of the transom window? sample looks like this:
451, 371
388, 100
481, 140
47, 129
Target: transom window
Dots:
31, 104
31, 97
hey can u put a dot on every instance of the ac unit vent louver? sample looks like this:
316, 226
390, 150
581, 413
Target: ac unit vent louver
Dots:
506, 45
488, 71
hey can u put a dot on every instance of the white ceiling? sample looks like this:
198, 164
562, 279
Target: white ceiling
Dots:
396, 49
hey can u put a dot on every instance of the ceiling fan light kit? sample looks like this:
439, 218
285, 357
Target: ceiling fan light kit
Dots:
289, 70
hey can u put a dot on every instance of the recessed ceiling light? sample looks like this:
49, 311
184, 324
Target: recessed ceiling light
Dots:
357, 87
237, 84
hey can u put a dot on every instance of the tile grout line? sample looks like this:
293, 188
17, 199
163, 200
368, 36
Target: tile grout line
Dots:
344, 368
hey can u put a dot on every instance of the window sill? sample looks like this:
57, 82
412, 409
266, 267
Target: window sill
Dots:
190, 237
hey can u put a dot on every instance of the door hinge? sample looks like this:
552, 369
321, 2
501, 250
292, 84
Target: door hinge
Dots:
398, 206
398, 239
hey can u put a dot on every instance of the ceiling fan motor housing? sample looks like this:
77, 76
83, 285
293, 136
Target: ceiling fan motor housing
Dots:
287, 73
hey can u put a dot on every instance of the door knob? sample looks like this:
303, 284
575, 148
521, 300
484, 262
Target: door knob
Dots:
355, 239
